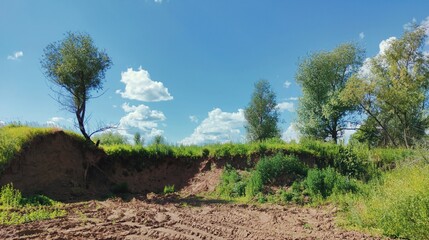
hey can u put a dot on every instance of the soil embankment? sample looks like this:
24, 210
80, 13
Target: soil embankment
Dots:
59, 166
62, 167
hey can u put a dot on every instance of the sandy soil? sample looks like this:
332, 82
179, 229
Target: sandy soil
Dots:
158, 217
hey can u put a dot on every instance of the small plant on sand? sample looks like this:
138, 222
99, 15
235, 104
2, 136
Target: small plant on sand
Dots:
168, 189
15, 209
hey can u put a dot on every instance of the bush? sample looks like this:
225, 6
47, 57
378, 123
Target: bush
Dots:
325, 182
254, 185
10, 197
271, 169
349, 164
110, 138
232, 183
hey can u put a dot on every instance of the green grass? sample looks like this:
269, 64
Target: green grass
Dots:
397, 205
15, 209
13, 139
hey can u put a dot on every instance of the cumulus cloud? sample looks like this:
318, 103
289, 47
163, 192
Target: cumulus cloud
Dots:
193, 119
362, 35
385, 44
16, 55
286, 106
291, 133
218, 127
59, 122
287, 84
140, 119
139, 86
365, 70
2, 123
293, 99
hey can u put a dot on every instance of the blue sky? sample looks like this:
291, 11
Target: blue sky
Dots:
184, 68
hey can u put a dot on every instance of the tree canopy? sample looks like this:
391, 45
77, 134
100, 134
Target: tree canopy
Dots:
322, 77
76, 68
262, 115
394, 95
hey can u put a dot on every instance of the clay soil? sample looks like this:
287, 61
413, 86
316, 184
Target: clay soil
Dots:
169, 217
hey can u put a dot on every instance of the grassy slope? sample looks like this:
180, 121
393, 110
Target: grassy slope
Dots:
14, 138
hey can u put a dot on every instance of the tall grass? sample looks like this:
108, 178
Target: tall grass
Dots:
398, 206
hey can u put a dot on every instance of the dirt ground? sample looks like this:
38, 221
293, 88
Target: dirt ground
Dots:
160, 217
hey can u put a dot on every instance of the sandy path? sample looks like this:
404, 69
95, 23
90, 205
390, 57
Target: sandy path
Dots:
183, 219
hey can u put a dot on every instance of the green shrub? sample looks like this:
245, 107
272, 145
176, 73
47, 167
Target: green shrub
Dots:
232, 183
325, 182
10, 197
169, 189
110, 138
349, 164
271, 169
254, 184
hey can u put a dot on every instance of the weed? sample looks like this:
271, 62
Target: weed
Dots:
169, 189
15, 209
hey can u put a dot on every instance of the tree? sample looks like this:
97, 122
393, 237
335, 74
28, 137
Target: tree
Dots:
138, 139
394, 95
158, 140
323, 76
262, 114
110, 138
76, 68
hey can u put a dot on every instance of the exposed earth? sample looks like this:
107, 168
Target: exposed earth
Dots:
169, 217
59, 167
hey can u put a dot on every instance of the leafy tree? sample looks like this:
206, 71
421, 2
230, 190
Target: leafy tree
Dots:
323, 76
138, 139
110, 138
262, 114
158, 140
76, 68
394, 95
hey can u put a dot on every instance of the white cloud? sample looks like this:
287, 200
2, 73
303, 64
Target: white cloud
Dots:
365, 70
142, 119
158, 1
287, 84
2, 123
293, 99
291, 133
60, 122
425, 25
218, 127
194, 119
283, 106
139, 86
385, 44
362, 35
16, 55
